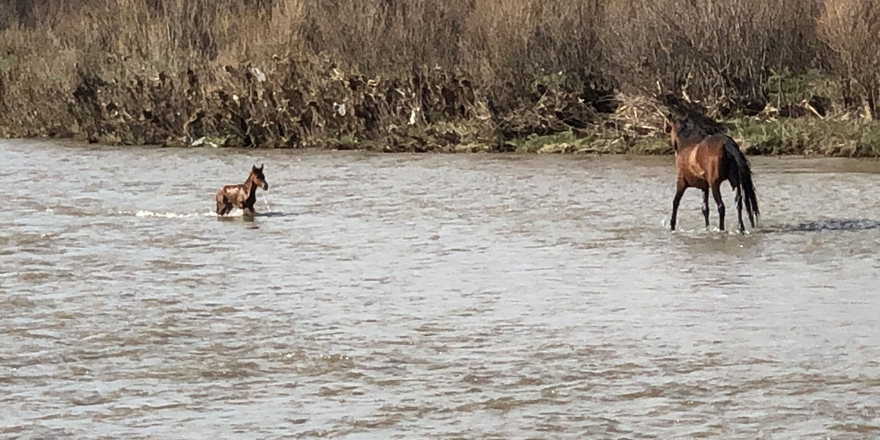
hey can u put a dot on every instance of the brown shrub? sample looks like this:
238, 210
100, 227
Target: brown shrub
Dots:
851, 29
540, 66
721, 52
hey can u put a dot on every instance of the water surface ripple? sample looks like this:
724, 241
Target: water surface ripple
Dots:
435, 296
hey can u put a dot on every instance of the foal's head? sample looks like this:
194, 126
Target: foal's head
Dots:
258, 178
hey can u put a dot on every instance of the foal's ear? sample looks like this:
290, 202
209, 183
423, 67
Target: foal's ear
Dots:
261, 167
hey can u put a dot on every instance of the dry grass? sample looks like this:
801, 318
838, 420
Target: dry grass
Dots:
534, 66
708, 50
851, 29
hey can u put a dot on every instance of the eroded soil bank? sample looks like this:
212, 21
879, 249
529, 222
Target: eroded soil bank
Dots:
317, 105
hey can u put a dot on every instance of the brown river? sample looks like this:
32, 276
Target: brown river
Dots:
431, 296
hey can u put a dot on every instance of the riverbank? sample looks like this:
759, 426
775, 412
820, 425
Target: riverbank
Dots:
292, 105
558, 76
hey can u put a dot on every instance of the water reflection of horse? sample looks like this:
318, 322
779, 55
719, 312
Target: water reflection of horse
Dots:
705, 162
242, 196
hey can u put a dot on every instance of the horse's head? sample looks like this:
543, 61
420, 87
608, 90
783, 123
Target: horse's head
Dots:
258, 178
673, 125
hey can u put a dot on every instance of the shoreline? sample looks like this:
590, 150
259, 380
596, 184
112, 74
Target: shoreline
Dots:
551, 149
810, 142
306, 106
562, 77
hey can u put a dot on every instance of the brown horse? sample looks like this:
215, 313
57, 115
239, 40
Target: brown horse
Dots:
705, 162
242, 196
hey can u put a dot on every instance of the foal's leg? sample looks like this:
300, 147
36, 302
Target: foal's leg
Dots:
679, 191
706, 205
248, 211
739, 210
716, 193
222, 203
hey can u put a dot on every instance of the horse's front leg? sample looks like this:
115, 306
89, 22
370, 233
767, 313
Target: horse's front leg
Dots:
248, 208
679, 191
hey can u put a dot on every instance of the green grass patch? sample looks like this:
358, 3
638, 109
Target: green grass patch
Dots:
783, 87
599, 142
808, 136
535, 143
651, 146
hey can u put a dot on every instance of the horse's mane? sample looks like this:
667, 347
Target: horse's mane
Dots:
694, 112
688, 129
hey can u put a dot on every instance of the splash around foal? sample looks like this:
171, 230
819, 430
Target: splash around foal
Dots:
705, 162
243, 195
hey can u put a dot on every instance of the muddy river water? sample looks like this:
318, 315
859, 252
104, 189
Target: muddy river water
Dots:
431, 296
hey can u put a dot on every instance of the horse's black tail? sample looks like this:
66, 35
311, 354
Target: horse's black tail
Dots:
744, 173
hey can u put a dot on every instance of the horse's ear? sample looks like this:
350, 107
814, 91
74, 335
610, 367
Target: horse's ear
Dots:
261, 167
669, 122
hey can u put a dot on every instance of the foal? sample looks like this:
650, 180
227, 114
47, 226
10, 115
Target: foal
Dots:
242, 196
705, 162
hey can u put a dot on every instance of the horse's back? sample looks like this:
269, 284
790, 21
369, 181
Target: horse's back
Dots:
700, 162
227, 193
235, 194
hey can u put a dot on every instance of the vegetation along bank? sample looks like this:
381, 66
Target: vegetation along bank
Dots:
550, 76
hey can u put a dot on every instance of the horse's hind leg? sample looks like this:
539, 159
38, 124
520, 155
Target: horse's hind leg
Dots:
223, 206
705, 208
220, 199
716, 193
739, 210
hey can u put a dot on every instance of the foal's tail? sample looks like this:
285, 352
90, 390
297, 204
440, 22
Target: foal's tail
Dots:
744, 173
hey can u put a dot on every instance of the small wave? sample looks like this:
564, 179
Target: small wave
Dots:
144, 213
828, 225
236, 212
